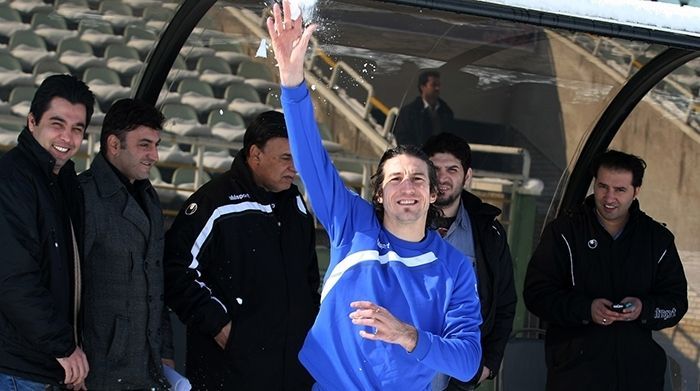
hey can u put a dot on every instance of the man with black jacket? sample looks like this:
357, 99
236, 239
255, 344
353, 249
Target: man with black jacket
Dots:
40, 271
470, 225
241, 269
603, 276
427, 115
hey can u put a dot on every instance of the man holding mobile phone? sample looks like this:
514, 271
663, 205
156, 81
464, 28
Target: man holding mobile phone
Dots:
603, 276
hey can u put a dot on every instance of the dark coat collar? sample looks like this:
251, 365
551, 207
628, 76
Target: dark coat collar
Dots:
475, 207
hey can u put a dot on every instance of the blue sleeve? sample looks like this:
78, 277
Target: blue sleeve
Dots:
330, 199
457, 352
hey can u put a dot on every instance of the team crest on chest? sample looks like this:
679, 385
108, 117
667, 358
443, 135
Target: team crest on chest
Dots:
592, 244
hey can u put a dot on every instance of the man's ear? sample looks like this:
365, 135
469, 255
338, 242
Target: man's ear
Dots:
468, 177
637, 190
113, 144
31, 122
254, 153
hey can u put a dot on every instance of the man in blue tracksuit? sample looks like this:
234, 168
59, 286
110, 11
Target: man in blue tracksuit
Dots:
398, 303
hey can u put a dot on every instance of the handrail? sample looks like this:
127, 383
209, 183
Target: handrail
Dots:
341, 65
504, 150
378, 142
693, 107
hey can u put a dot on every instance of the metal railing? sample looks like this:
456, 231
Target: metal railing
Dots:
692, 108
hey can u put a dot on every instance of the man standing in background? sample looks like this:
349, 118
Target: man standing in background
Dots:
470, 225
427, 115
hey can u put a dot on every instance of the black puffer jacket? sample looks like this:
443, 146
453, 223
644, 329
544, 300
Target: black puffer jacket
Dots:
578, 261
36, 272
238, 253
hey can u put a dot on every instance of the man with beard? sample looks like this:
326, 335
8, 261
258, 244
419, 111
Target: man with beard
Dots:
471, 226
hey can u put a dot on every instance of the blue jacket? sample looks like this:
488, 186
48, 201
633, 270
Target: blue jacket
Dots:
428, 284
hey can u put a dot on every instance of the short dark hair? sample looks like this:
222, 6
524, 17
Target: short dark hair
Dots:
63, 86
449, 143
424, 76
126, 115
378, 178
616, 160
265, 126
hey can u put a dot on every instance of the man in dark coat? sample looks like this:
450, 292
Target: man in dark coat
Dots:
126, 328
241, 269
41, 202
427, 115
603, 276
471, 226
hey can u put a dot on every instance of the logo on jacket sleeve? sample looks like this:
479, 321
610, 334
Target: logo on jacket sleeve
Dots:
191, 208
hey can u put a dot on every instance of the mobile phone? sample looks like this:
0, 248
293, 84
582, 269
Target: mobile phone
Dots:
620, 307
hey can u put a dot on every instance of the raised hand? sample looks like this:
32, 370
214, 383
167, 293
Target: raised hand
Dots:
289, 42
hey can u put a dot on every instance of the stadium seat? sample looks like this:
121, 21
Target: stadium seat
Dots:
123, 59
172, 154
11, 75
52, 27
184, 180
193, 50
199, 95
106, 86
10, 21
46, 68
217, 160
74, 10
28, 48
98, 34
226, 124
181, 119
140, 38
117, 14
157, 17
230, 51
27, 8
258, 75
216, 72
20, 99
77, 55
179, 71
245, 100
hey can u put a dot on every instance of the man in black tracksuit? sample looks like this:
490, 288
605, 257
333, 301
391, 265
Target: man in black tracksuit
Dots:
471, 226
605, 253
241, 270
41, 204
